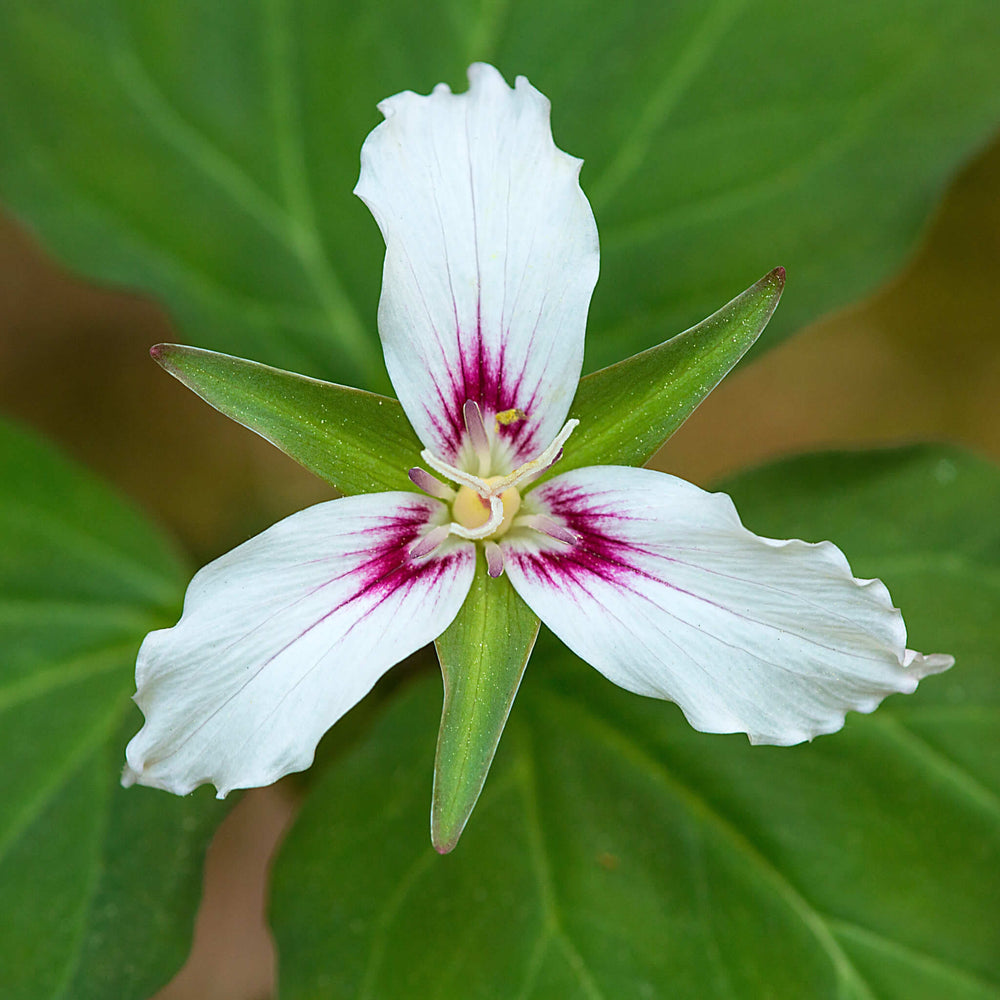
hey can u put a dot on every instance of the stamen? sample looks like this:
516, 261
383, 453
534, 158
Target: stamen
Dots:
484, 530
537, 474
426, 545
423, 480
536, 466
494, 559
547, 526
507, 417
477, 434
455, 475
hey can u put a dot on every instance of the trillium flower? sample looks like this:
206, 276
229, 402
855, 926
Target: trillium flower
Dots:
491, 259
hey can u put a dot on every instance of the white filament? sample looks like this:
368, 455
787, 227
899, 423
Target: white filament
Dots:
501, 484
537, 465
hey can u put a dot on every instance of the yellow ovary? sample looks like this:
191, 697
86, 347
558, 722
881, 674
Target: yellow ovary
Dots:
472, 510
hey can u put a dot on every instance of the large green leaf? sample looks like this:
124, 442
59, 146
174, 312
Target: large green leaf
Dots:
98, 884
207, 152
617, 853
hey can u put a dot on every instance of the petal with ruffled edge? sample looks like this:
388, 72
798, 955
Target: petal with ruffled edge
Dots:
667, 594
491, 259
284, 634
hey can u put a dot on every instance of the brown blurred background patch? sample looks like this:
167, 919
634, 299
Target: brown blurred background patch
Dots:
921, 360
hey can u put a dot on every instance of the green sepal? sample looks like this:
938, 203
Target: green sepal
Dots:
483, 654
626, 411
357, 441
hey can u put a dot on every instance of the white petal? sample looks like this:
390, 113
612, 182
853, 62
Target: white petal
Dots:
491, 259
282, 635
668, 595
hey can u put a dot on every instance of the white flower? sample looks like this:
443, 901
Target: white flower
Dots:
491, 258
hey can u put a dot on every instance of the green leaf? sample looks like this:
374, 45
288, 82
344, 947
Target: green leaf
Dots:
628, 410
483, 654
100, 884
357, 441
206, 153
618, 853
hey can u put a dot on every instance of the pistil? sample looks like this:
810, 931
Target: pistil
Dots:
472, 510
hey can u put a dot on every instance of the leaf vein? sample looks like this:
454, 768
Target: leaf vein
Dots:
664, 99
36, 805
63, 674
304, 232
701, 808
916, 956
950, 770
552, 921
742, 196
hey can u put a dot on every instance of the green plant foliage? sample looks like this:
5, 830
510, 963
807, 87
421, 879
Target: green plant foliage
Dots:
99, 885
207, 152
361, 442
483, 654
357, 441
628, 410
617, 853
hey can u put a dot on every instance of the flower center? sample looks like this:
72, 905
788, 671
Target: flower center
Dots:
472, 510
485, 507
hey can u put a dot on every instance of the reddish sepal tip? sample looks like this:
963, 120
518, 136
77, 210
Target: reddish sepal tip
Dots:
445, 848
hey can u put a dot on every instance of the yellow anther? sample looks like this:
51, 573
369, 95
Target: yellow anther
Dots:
509, 417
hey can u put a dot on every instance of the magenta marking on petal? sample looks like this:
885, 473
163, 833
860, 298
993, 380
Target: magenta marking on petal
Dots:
391, 564
403, 528
482, 375
390, 568
594, 550
606, 558
599, 554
